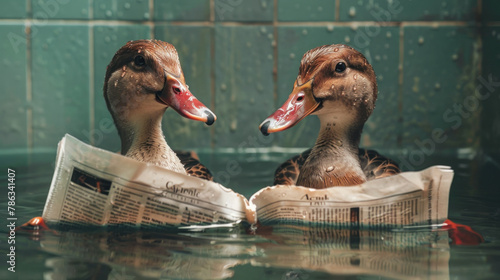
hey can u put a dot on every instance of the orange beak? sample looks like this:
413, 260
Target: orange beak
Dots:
300, 104
176, 94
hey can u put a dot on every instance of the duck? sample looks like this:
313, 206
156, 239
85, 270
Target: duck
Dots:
143, 80
337, 84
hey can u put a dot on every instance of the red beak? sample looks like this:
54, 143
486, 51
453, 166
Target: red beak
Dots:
176, 94
300, 104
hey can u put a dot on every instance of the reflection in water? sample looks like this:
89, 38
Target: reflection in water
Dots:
144, 254
216, 254
401, 255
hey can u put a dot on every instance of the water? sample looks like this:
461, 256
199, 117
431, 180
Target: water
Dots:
270, 252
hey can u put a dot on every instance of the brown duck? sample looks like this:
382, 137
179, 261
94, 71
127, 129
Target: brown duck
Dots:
337, 84
143, 79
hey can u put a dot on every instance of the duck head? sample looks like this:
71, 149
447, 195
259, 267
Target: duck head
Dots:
334, 81
143, 79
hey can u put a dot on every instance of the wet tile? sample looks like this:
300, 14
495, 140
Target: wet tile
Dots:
193, 46
491, 10
239, 10
50, 9
107, 40
13, 81
424, 10
60, 81
439, 77
380, 48
188, 10
13, 9
488, 91
312, 10
243, 84
122, 9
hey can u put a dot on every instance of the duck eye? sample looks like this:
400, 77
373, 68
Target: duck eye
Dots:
139, 61
340, 67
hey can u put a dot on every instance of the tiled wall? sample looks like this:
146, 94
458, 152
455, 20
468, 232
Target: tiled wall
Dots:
242, 56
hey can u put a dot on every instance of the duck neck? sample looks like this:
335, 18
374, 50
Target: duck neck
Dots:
143, 140
333, 160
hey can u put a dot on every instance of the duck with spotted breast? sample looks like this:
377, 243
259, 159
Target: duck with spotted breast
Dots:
337, 84
143, 79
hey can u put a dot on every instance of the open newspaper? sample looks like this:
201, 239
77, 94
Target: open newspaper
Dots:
94, 186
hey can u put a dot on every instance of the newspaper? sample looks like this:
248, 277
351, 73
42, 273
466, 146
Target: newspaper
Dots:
94, 186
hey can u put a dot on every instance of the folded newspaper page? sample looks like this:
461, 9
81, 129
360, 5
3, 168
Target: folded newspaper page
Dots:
409, 198
97, 187
94, 186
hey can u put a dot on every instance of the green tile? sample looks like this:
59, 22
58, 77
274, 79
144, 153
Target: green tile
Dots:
381, 50
423, 10
188, 10
243, 84
107, 40
490, 94
440, 70
193, 46
51, 9
491, 10
13, 92
300, 10
60, 81
13, 9
240, 10
122, 9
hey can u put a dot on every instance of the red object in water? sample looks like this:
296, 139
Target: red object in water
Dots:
34, 223
462, 234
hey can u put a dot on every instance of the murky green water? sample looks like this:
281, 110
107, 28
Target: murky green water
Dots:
270, 252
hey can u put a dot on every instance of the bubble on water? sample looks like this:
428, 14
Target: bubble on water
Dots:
330, 27
292, 55
347, 39
126, 6
109, 13
223, 86
304, 31
454, 57
420, 40
437, 86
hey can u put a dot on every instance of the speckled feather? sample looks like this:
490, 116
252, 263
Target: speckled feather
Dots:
372, 163
346, 99
130, 97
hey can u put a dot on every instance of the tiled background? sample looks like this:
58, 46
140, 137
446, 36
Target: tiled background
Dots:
433, 61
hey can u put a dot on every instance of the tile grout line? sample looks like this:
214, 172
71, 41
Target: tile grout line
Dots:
337, 10
399, 138
212, 69
253, 23
91, 76
275, 53
151, 22
29, 82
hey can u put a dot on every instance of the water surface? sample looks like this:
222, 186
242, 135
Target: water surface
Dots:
280, 252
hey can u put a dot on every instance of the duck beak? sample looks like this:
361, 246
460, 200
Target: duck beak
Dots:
176, 94
300, 103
